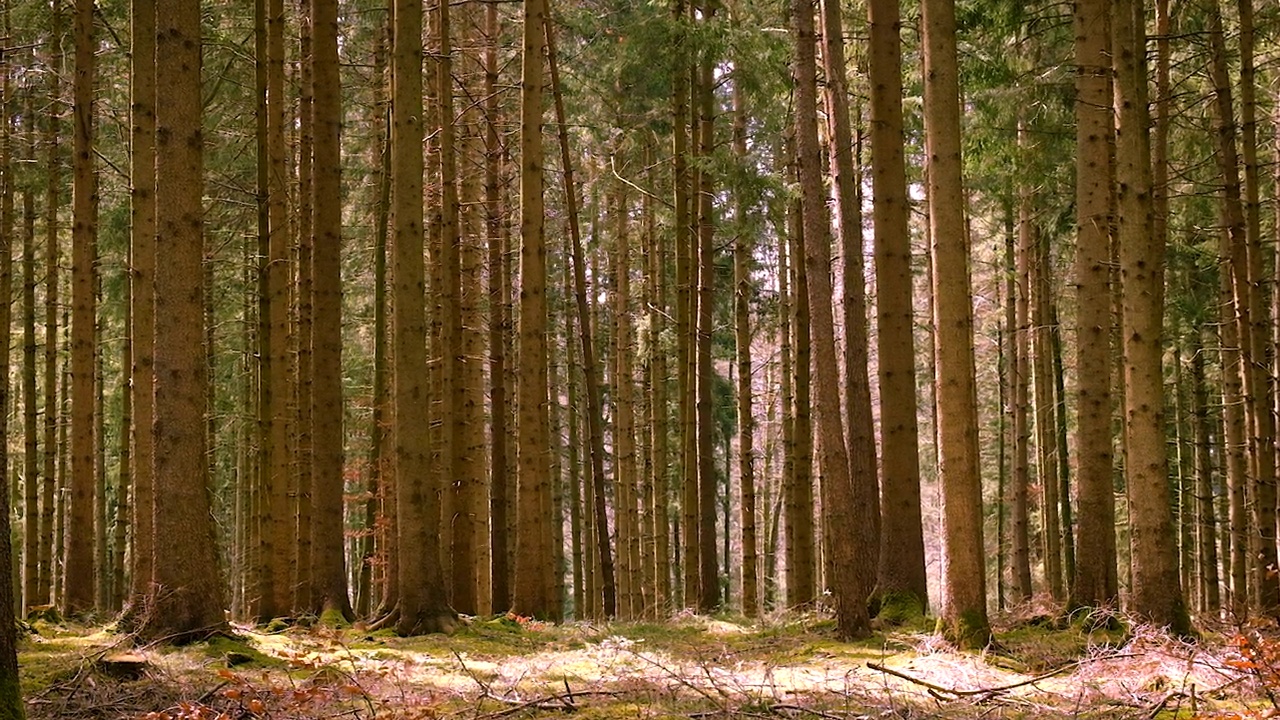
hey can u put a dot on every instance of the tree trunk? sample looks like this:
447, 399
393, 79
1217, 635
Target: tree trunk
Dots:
11, 707
1016, 319
421, 587
49, 496
1156, 594
185, 594
328, 567
743, 247
1243, 265
595, 414
708, 566
902, 563
848, 504
534, 576
964, 619
1095, 578
802, 581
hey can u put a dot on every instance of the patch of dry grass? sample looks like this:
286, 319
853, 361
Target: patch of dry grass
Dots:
690, 667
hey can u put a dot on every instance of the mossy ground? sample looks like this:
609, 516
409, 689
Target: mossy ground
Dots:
685, 667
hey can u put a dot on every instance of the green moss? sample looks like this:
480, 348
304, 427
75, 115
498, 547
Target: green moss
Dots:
333, 618
234, 651
968, 630
11, 707
900, 608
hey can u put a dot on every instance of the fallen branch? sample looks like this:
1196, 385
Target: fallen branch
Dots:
986, 693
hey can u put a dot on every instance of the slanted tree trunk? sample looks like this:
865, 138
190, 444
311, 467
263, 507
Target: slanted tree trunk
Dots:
1243, 265
964, 618
848, 505
595, 415
861, 441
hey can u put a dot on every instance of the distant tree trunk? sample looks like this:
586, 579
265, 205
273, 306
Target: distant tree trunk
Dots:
630, 604
185, 595
802, 586
1095, 577
786, 395
30, 407
1036, 371
659, 307
1156, 594
79, 595
743, 247
709, 572
534, 571
11, 707
1016, 326
595, 414
421, 588
1241, 254
964, 618
902, 562
685, 277
52, 131
1206, 522
498, 290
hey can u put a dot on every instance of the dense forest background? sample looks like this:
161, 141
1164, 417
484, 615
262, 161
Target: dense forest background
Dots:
615, 309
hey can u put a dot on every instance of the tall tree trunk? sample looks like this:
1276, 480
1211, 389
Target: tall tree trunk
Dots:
48, 495
861, 441
30, 406
185, 594
902, 563
277, 547
1095, 577
624, 433
802, 585
1016, 319
302, 326
421, 587
11, 707
1243, 265
1206, 521
743, 247
79, 595
595, 414
498, 290
1156, 594
659, 307
847, 504
534, 576
708, 566
685, 276
964, 618
328, 566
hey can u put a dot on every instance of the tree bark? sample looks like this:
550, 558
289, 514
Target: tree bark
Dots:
964, 619
1095, 577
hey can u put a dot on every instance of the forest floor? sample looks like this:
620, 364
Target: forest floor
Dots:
689, 667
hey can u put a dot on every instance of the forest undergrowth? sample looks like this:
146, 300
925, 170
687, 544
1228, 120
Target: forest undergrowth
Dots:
688, 667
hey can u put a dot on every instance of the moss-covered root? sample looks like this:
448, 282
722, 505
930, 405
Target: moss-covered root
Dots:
967, 630
11, 707
898, 608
